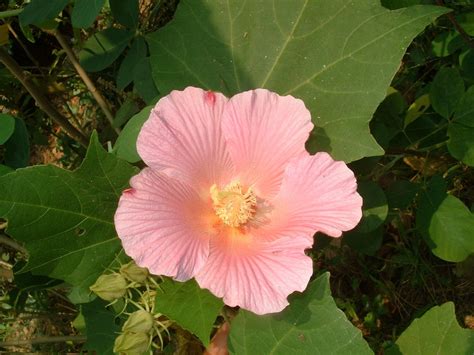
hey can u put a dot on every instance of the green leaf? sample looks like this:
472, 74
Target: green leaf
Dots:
193, 308
445, 222
7, 126
143, 81
127, 110
85, 12
64, 218
101, 328
137, 51
366, 243
125, 12
103, 48
125, 146
38, 12
5, 170
17, 147
452, 230
374, 209
387, 122
461, 130
466, 21
311, 324
446, 91
436, 332
446, 43
338, 56
401, 194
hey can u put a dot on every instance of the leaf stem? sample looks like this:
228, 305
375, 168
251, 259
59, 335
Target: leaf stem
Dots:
41, 99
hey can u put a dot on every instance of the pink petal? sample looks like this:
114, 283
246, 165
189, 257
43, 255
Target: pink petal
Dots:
317, 194
164, 225
263, 132
256, 275
183, 136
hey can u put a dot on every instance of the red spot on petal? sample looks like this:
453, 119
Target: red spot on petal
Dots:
129, 191
210, 97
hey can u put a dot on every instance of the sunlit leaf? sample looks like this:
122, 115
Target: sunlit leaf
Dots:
338, 56
125, 146
311, 324
65, 219
436, 332
193, 308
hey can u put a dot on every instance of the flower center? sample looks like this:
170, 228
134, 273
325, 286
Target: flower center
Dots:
232, 205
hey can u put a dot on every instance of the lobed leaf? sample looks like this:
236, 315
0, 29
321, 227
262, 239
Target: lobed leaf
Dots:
338, 56
65, 219
311, 324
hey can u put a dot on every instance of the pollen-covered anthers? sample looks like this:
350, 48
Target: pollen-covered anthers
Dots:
232, 205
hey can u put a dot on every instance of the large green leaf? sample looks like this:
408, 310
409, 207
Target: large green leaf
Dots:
338, 56
101, 328
436, 332
446, 91
193, 308
37, 12
125, 146
7, 126
103, 48
461, 130
65, 219
85, 12
312, 324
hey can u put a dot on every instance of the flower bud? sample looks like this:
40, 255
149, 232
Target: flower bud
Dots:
133, 272
131, 343
138, 322
110, 287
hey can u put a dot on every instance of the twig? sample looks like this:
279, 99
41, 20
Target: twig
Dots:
40, 99
44, 340
85, 78
25, 49
465, 36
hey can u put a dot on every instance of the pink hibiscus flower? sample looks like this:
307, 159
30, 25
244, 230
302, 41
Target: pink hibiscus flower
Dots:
232, 198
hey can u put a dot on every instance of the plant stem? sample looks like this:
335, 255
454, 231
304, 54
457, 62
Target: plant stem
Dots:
85, 78
25, 49
41, 99
44, 340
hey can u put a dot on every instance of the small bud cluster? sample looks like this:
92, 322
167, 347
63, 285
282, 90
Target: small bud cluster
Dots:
141, 325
